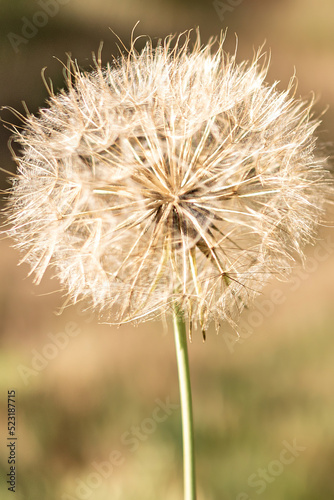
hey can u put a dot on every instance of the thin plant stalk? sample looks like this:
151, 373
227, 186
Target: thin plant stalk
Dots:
186, 406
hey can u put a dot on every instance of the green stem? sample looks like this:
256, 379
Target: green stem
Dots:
186, 406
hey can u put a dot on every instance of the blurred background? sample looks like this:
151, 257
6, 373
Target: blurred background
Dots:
97, 406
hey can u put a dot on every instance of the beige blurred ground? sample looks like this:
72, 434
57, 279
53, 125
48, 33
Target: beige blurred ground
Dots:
249, 397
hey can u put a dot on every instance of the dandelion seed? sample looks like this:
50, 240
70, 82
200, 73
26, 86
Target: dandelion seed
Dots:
173, 177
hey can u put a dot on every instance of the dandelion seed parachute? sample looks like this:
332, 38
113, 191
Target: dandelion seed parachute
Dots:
173, 176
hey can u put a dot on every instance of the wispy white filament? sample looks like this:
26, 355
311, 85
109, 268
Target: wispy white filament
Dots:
171, 176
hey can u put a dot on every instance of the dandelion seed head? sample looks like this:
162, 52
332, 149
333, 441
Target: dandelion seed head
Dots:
174, 176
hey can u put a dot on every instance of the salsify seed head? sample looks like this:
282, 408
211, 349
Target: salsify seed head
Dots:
171, 178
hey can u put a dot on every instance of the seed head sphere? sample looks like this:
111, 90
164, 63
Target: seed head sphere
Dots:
174, 177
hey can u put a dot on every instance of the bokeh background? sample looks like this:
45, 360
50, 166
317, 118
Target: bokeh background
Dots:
89, 394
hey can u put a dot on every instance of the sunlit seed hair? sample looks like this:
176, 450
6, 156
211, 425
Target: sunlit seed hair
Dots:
174, 177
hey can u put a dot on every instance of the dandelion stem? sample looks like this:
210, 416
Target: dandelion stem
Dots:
186, 406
